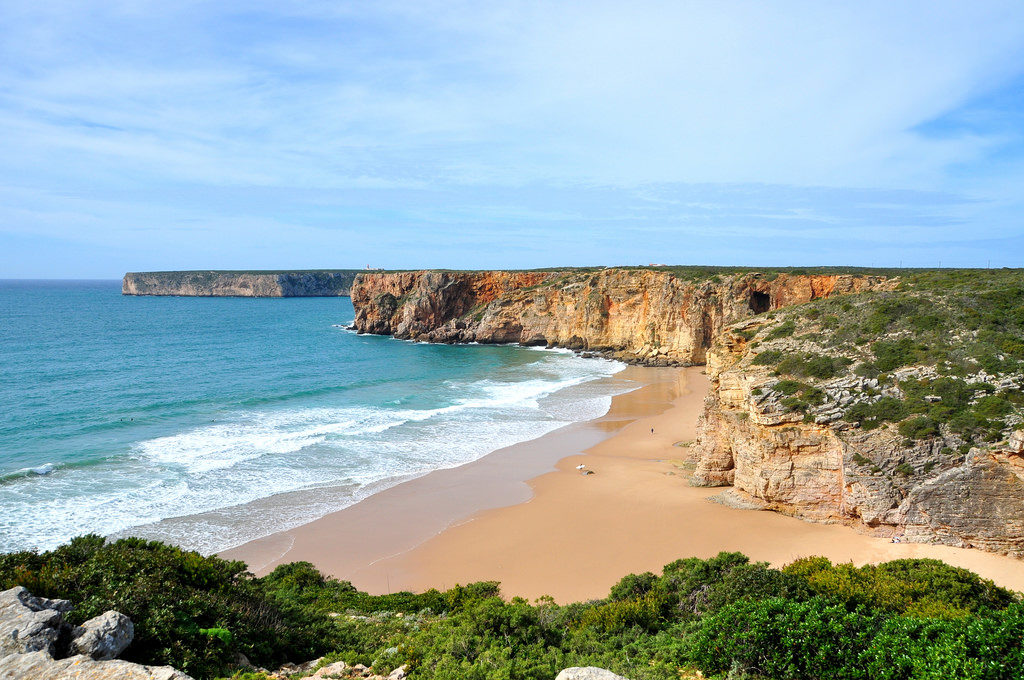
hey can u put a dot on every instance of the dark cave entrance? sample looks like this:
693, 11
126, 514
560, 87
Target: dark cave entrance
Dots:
760, 302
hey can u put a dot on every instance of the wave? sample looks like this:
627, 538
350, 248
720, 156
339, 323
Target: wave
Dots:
37, 470
266, 448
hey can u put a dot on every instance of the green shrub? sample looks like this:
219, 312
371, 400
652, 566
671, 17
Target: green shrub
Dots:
778, 638
788, 387
768, 357
814, 365
892, 354
870, 415
783, 330
919, 427
903, 586
189, 611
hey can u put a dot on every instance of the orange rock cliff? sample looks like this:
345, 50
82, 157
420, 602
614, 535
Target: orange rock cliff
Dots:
640, 316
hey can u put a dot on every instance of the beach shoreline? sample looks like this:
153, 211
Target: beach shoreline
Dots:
528, 517
398, 518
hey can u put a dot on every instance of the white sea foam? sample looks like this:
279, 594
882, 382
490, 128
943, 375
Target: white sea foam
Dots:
353, 450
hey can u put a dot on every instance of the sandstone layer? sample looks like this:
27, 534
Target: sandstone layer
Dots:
638, 315
327, 283
824, 468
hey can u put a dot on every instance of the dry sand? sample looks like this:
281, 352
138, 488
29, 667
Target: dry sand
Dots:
571, 535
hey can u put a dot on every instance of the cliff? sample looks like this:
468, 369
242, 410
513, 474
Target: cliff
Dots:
324, 283
637, 315
895, 406
899, 437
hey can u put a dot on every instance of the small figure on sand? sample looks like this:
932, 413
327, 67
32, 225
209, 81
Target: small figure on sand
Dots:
652, 430
580, 466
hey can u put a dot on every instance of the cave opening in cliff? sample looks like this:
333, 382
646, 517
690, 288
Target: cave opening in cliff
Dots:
760, 302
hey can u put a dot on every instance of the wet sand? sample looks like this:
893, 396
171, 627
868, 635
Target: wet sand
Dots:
571, 535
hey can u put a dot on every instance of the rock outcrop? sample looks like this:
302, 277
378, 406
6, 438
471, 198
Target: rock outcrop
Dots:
326, 283
28, 623
103, 637
41, 666
587, 673
823, 468
637, 315
37, 644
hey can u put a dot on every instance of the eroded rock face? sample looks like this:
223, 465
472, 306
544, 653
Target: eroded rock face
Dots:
28, 623
640, 316
104, 636
828, 470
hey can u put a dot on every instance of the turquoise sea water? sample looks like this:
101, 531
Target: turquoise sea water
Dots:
121, 411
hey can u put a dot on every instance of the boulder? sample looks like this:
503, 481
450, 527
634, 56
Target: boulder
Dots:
28, 623
103, 637
41, 666
587, 673
332, 669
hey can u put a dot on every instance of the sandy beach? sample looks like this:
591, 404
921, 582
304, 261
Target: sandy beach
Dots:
526, 516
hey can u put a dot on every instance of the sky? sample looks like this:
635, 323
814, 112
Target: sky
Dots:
281, 134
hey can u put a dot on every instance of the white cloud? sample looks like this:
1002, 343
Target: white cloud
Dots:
142, 109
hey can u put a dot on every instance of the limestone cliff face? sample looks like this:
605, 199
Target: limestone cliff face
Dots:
240, 284
834, 471
641, 316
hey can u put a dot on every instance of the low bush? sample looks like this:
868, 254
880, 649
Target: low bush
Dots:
813, 619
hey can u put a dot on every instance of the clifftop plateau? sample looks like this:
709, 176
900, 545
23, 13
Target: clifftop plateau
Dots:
312, 283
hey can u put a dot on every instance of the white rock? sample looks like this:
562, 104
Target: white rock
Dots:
28, 623
336, 668
103, 637
40, 666
587, 673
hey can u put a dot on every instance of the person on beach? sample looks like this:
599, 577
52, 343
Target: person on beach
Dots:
652, 430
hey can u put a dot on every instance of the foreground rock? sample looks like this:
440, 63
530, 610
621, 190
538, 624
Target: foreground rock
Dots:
41, 666
103, 637
28, 623
37, 644
587, 673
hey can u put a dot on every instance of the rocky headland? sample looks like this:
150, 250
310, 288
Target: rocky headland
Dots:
898, 413
313, 283
890, 404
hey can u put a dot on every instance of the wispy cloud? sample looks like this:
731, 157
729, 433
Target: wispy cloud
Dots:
889, 128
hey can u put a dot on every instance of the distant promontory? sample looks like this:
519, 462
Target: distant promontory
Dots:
303, 283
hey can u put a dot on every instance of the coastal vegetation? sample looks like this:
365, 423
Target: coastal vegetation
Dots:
941, 357
724, 616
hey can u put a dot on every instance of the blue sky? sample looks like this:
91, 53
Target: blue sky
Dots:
193, 135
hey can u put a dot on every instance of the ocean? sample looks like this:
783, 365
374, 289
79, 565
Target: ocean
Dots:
118, 412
